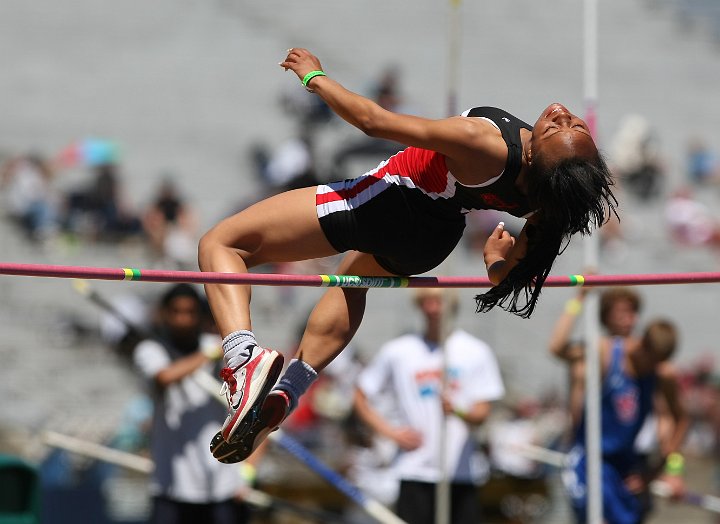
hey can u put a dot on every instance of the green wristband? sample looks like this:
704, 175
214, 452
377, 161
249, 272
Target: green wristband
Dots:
310, 76
675, 464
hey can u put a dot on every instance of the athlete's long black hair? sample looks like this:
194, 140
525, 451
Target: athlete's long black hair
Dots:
573, 196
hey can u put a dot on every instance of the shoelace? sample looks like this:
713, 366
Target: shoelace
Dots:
229, 383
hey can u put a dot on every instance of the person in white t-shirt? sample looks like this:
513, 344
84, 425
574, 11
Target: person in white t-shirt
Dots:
188, 485
412, 366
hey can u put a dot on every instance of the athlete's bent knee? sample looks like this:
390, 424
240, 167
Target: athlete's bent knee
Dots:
207, 245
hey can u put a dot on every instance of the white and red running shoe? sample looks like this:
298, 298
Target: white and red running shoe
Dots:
246, 386
254, 428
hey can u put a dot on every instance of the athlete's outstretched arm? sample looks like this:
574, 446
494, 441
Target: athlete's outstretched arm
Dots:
455, 137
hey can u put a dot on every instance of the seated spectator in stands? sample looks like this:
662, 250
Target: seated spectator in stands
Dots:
635, 158
703, 166
98, 211
290, 166
29, 195
387, 94
170, 226
691, 223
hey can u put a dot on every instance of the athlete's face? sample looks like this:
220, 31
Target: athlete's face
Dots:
558, 134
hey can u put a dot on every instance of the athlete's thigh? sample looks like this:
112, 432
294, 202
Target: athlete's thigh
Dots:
281, 228
364, 264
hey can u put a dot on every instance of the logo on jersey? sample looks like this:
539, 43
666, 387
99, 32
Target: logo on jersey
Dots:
495, 202
428, 382
627, 406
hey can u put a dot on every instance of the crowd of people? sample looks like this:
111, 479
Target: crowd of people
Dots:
96, 209
384, 420
685, 195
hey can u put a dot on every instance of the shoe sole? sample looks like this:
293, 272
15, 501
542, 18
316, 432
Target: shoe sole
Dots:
269, 374
255, 430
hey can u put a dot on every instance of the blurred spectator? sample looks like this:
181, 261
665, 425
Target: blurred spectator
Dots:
636, 159
88, 153
386, 92
170, 226
291, 166
98, 211
690, 222
700, 398
310, 111
514, 430
703, 166
440, 379
619, 314
30, 197
124, 323
188, 485
637, 381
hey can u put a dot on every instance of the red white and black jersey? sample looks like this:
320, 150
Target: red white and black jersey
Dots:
411, 207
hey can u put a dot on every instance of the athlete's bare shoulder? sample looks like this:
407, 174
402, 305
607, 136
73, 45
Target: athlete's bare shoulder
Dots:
484, 155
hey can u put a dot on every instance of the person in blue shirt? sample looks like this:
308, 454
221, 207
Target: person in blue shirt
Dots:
637, 379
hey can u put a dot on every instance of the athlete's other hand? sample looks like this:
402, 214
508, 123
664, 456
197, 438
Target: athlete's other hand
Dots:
498, 244
495, 253
301, 62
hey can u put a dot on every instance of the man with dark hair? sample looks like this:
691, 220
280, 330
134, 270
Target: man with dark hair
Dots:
188, 485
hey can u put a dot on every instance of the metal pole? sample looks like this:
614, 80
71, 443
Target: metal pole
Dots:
454, 37
592, 328
442, 488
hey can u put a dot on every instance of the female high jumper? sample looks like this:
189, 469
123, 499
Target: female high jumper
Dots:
402, 218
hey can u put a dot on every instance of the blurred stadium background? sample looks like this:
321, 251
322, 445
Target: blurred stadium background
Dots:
191, 88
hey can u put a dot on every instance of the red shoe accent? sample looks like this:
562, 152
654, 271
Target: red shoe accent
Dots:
247, 386
228, 375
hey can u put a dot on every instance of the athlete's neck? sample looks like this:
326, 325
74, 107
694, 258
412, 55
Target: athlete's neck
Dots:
526, 154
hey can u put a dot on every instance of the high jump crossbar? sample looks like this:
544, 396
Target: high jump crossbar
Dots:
346, 281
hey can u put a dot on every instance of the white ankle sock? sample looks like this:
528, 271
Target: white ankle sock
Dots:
238, 347
298, 377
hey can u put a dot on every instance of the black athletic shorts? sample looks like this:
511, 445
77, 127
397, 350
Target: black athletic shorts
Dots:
408, 232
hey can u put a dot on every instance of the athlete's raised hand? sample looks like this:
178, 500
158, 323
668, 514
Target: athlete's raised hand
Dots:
301, 62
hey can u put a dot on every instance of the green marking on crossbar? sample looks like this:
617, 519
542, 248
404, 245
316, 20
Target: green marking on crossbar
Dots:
131, 273
356, 281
